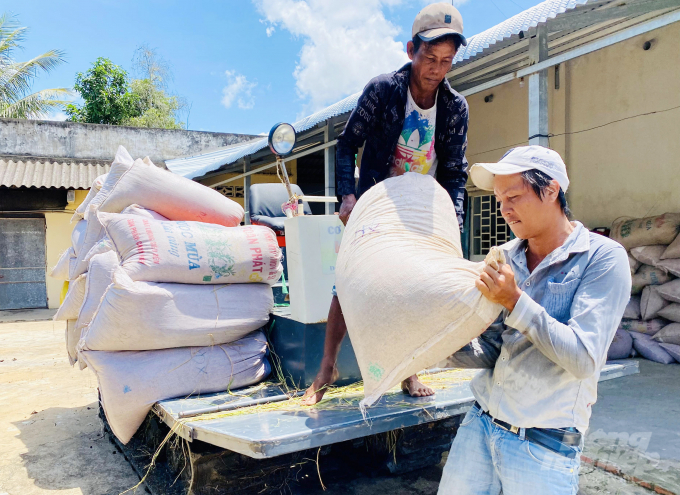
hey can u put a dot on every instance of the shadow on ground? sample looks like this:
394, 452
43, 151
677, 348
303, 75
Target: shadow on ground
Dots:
67, 448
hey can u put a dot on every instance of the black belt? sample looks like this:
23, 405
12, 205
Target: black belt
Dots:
559, 440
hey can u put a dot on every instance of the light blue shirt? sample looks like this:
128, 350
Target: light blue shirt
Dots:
543, 360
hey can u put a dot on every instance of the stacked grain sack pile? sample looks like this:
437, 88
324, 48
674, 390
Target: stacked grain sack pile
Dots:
168, 294
651, 323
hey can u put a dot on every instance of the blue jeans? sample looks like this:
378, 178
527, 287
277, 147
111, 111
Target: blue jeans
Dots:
488, 460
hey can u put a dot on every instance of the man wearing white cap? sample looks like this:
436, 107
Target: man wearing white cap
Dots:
564, 290
410, 120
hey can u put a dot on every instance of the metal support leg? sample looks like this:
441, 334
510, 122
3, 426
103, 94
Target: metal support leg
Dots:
329, 166
538, 89
246, 190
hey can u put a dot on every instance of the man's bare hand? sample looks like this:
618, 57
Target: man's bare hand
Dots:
348, 202
499, 286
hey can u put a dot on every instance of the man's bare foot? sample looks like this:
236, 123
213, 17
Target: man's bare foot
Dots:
414, 388
315, 393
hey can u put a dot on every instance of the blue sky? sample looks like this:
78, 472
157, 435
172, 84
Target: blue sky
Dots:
242, 65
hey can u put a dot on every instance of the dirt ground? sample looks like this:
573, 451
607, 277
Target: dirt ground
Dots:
51, 439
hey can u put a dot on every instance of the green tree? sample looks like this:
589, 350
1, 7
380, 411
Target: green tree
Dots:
16, 78
106, 94
110, 97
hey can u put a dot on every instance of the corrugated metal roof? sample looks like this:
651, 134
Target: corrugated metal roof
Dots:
67, 173
198, 165
523, 21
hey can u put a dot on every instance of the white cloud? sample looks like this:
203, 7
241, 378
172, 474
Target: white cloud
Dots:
239, 90
58, 116
345, 44
270, 30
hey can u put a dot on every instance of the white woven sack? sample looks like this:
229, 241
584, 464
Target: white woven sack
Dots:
671, 312
61, 269
648, 255
130, 382
142, 212
94, 189
94, 232
634, 232
651, 302
121, 164
648, 275
193, 252
172, 196
103, 245
71, 341
175, 315
670, 291
634, 264
78, 236
633, 308
671, 265
670, 334
673, 250
100, 275
649, 327
75, 296
408, 296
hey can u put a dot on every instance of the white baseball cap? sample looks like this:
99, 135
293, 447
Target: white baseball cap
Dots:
438, 19
519, 160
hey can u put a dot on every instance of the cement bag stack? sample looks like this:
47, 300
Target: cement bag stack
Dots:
651, 323
408, 296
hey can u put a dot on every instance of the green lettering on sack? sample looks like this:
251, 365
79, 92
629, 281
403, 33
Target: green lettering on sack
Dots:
207, 278
376, 371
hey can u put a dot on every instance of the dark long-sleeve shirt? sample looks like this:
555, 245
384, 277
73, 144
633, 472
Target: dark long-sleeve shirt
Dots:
377, 122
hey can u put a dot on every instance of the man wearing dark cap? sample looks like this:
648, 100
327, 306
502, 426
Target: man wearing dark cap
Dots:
410, 120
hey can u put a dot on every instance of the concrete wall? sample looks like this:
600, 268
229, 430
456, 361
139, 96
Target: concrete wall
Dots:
620, 162
73, 140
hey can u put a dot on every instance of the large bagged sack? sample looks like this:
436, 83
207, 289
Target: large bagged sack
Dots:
172, 196
193, 252
130, 382
75, 296
104, 245
94, 190
621, 346
670, 291
647, 327
100, 275
648, 275
78, 236
142, 212
672, 266
648, 255
670, 334
634, 264
175, 315
636, 232
673, 350
671, 312
408, 296
632, 310
94, 232
72, 337
672, 251
650, 349
61, 269
651, 302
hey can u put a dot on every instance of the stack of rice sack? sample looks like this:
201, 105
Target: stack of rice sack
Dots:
171, 293
651, 323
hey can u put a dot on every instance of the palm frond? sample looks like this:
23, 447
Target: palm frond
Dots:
36, 105
16, 77
9, 39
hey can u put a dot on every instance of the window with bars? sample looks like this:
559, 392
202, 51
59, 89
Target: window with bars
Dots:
487, 227
231, 191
